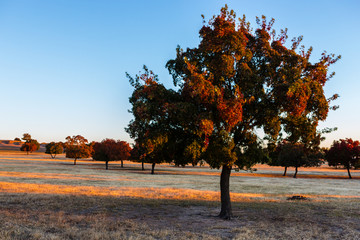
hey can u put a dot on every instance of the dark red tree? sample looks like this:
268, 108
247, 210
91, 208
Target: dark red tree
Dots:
345, 152
111, 150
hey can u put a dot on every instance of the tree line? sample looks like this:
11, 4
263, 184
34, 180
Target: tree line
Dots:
78, 147
343, 153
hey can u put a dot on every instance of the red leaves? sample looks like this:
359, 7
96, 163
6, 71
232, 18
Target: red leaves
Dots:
345, 152
202, 86
111, 150
230, 110
298, 96
348, 145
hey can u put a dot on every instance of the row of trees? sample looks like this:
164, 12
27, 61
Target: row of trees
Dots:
77, 147
344, 153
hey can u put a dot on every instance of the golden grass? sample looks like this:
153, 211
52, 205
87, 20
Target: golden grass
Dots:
149, 193
41, 198
57, 176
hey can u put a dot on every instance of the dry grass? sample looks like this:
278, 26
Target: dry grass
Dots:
41, 198
32, 216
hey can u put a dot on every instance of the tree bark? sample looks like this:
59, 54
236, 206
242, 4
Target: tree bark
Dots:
107, 165
226, 211
122, 163
152, 168
348, 170
142, 165
285, 171
296, 170
74, 161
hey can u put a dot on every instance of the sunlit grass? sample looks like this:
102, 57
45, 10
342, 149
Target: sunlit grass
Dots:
42, 198
150, 193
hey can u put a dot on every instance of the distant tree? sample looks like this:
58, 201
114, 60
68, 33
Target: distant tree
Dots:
273, 151
26, 137
17, 139
76, 147
295, 155
54, 148
346, 153
111, 150
124, 151
91, 147
30, 144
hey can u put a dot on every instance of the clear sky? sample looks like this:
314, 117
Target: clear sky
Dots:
63, 62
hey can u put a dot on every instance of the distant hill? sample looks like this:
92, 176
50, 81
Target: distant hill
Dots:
11, 145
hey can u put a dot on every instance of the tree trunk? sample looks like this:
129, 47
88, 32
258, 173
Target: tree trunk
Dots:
348, 170
296, 170
107, 165
74, 161
142, 165
152, 168
122, 163
226, 211
285, 171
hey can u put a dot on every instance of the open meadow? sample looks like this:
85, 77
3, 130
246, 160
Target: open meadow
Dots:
44, 198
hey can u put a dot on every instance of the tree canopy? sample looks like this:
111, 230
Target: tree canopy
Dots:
235, 82
111, 150
295, 155
30, 144
26, 137
346, 153
76, 147
54, 148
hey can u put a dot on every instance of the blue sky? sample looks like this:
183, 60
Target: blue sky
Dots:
63, 63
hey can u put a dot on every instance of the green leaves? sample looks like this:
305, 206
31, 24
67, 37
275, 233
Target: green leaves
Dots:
54, 148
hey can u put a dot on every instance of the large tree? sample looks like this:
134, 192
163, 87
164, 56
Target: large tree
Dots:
346, 153
76, 147
111, 150
235, 82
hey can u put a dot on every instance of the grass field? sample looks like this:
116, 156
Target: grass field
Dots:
42, 198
